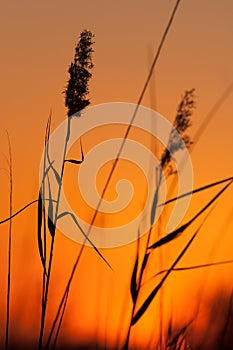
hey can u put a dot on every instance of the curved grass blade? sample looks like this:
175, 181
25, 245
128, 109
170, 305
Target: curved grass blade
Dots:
39, 229
51, 225
84, 234
29, 204
41, 214
22, 209
154, 206
74, 161
48, 125
150, 298
194, 267
133, 284
171, 236
81, 146
195, 191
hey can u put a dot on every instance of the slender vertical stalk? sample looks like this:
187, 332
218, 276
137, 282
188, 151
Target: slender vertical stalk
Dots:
161, 290
64, 297
9, 246
43, 214
45, 297
60, 322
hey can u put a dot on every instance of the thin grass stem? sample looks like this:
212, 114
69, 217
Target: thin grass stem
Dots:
9, 246
45, 297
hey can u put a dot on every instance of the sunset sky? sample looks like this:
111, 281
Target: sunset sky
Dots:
37, 46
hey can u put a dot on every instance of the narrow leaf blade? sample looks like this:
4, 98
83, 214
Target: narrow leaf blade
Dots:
133, 284
154, 292
84, 234
74, 161
171, 236
51, 225
39, 228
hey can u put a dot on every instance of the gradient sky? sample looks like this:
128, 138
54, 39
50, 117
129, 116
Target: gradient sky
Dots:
37, 46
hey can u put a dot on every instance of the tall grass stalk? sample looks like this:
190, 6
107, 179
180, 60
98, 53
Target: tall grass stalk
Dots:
42, 219
152, 68
46, 144
47, 282
181, 123
9, 245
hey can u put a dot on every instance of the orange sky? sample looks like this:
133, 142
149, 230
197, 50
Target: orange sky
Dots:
37, 45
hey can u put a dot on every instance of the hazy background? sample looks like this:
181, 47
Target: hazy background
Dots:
37, 46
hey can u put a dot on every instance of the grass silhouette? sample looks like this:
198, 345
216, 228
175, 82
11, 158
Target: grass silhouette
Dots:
176, 336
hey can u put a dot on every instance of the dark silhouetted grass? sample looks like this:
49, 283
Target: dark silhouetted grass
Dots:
153, 65
9, 244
